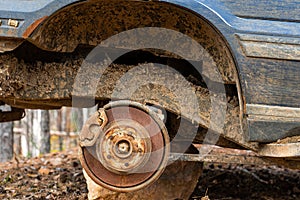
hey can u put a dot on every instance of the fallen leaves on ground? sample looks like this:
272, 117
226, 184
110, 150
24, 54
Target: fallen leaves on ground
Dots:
52, 176
59, 176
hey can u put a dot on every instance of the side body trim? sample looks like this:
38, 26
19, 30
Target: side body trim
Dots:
271, 123
275, 111
261, 46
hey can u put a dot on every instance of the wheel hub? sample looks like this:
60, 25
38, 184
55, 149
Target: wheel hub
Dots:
125, 147
128, 150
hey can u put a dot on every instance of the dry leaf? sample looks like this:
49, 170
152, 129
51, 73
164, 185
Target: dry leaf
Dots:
44, 171
205, 198
32, 175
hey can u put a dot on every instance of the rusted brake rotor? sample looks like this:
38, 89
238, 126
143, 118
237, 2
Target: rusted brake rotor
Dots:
124, 147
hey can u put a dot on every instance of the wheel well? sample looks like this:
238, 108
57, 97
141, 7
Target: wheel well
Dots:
91, 22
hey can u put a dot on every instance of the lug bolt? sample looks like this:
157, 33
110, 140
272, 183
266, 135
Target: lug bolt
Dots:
123, 147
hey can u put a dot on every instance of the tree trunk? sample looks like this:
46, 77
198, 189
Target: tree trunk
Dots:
26, 137
59, 128
45, 132
77, 116
6, 138
35, 135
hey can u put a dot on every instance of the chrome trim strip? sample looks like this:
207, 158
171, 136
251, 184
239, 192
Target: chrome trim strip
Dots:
280, 150
274, 111
261, 46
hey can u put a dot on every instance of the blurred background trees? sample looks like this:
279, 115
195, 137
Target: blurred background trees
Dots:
6, 138
41, 132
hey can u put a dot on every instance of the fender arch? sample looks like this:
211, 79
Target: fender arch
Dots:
91, 22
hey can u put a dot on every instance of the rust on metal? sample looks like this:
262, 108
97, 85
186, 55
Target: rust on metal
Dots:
131, 150
125, 147
92, 128
33, 26
102, 118
108, 179
215, 154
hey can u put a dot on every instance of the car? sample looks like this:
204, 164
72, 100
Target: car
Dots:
172, 79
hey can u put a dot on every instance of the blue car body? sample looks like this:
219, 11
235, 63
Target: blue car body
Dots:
263, 35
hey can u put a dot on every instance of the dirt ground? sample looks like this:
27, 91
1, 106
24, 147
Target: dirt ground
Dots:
59, 176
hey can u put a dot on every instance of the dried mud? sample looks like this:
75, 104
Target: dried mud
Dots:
49, 85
